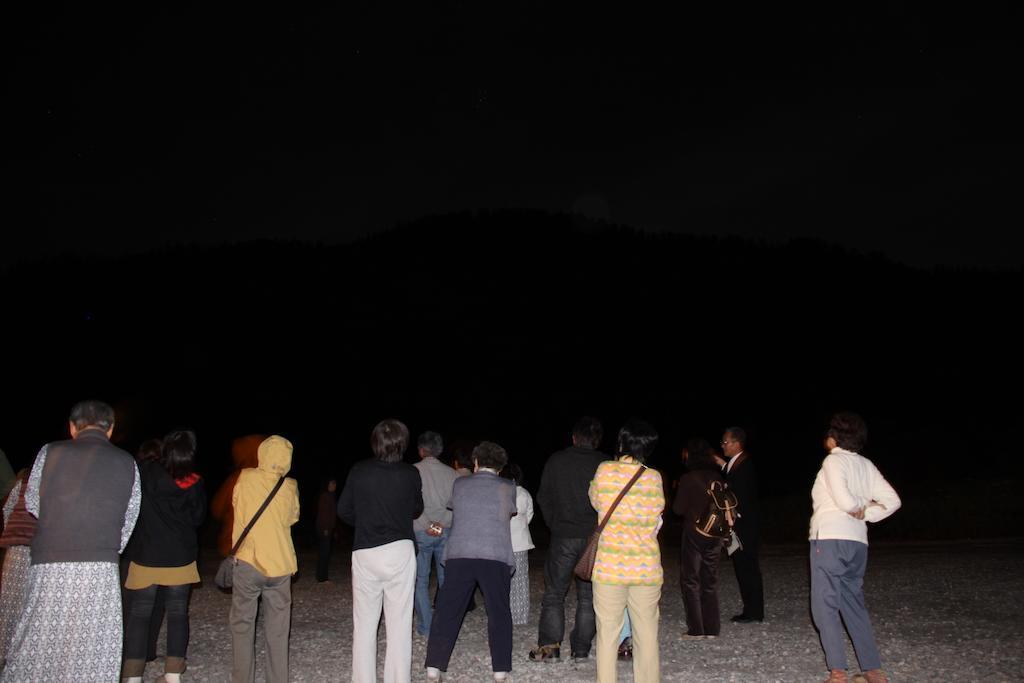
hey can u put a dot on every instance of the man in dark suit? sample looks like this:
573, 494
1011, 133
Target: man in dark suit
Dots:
742, 479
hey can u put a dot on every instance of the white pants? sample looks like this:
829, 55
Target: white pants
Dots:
383, 576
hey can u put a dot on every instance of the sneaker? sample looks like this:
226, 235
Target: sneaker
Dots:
545, 653
433, 674
500, 676
689, 636
836, 676
873, 676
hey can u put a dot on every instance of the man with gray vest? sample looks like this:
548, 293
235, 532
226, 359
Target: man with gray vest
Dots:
433, 526
85, 493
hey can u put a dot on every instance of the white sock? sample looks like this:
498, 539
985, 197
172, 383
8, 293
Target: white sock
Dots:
172, 678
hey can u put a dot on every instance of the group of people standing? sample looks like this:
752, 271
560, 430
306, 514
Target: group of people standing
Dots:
622, 597
70, 517
409, 518
83, 505
472, 525
462, 524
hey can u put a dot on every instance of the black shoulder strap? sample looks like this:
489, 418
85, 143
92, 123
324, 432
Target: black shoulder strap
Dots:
259, 512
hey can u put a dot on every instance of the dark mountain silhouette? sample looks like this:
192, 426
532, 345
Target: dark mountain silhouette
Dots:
508, 325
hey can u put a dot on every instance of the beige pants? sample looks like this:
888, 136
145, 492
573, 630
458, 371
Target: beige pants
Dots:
248, 586
383, 578
644, 613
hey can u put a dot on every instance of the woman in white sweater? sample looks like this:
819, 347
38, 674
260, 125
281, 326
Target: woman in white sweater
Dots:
848, 492
521, 544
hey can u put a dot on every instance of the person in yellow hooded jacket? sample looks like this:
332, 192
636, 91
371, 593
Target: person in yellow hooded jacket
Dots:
266, 561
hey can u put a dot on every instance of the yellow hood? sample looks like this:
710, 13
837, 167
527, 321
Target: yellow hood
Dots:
275, 455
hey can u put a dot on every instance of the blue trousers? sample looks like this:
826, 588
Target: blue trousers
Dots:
837, 590
563, 553
461, 579
429, 551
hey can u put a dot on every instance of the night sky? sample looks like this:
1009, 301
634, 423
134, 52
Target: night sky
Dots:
490, 220
892, 130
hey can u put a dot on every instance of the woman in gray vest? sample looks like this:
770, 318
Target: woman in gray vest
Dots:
479, 552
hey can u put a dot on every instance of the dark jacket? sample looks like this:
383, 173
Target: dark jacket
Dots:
742, 480
564, 494
381, 499
165, 535
692, 495
84, 492
326, 514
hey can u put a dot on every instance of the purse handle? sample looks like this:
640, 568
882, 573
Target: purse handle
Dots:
259, 512
608, 515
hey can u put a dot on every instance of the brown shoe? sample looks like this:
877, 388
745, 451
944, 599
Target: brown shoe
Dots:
626, 650
837, 676
873, 676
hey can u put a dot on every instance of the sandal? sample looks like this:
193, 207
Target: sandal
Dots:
626, 649
546, 653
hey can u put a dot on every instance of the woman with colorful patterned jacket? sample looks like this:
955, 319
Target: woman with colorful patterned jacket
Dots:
627, 571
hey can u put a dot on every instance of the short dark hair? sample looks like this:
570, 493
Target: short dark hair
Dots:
462, 453
514, 472
700, 453
92, 414
849, 430
588, 432
738, 434
150, 450
431, 442
637, 439
179, 453
491, 455
389, 440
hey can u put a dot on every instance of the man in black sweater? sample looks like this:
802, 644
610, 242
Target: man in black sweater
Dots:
564, 502
381, 498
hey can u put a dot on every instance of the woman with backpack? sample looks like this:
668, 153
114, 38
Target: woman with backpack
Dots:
698, 566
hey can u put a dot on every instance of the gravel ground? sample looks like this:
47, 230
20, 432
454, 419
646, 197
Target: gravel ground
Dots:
941, 611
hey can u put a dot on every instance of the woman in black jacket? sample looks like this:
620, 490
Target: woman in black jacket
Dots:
164, 554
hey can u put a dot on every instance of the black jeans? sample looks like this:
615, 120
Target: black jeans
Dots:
748, 576
563, 553
140, 607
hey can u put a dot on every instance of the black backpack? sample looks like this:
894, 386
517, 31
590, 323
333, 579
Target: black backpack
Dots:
720, 513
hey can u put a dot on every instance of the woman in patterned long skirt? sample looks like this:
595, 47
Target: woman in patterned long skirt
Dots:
519, 597
19, 526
